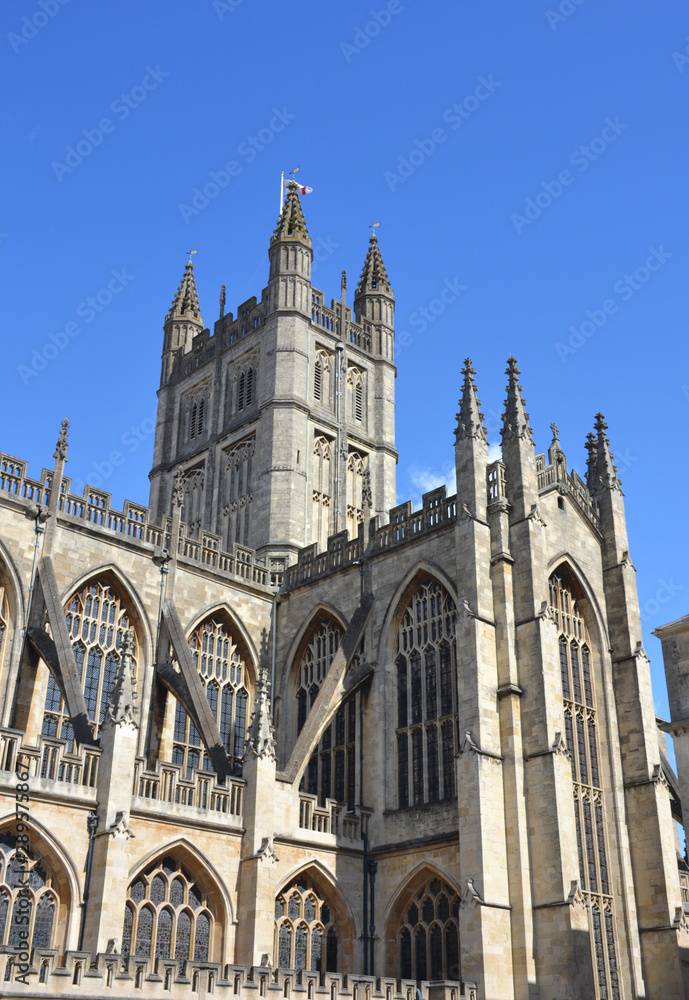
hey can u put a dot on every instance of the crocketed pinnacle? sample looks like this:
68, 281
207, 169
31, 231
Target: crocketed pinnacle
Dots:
261, 739
515, 419
291, 224
373, 274
591, 460
61, 446
186, 301
605, 473
470, 419
122, 706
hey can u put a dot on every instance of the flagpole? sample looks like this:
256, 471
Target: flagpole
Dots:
282, 191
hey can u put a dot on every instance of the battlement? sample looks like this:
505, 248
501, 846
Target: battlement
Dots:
76, 974
131, 526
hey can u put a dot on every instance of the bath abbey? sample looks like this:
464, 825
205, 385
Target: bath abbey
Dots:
277, 735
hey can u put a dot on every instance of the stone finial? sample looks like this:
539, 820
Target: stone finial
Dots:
470, 424
343, 280
515, 419
556, 455
178, 488
122, 705
61, 447
186, 301
373, 274
291, 224
261, 740
222, 301
556, 432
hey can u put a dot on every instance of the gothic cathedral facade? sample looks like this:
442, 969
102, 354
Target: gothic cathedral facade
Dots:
278, 734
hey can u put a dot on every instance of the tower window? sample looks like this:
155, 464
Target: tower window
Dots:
317, 381
192, 421
241, 391
358, 402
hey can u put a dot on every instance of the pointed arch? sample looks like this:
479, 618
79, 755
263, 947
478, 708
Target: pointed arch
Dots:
60, 866
596, 618
12, 616
207, 893
418, 573
236, 624
427, 885
312, 875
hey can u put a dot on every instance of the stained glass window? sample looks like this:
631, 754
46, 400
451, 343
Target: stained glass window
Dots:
428, 939
580, 719
156, 906
27, 898
222, 668
96, 618
43, 924
302, 920
426, 698
331, 769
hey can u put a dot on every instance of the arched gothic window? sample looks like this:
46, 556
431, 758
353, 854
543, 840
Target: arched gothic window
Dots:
428, 940
426, 697
4, 619
355, 380
96, 618
28, 901
331, 771
167, 915
321, 378
581, 720
357, 464
305, 934
194, 499
322, 451
222, 669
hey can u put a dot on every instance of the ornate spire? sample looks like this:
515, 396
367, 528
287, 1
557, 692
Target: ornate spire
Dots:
122, 705
373, 274
469, 419
291, 224
61, 446
605, 475
186, 301
515, 419
261, 741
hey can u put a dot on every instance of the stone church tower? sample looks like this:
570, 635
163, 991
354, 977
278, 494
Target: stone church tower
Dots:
277, 735
278, 416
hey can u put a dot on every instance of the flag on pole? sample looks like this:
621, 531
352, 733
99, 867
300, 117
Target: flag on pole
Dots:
301, 188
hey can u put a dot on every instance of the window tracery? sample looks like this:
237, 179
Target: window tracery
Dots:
426, 697
331, 771
581, 719
222, 670
96, 619
167, 915
238, 493
28, 901
428, 939
194, 499
322, 473
355, 381
305, 933
196, 404
241, 386
357, 463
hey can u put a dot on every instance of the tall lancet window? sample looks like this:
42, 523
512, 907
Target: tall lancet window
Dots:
356, 466
426, 667
96, 619
581, 723
238, 494
222, 668
331, 771
194, 499
357, 403
4, 619
322, 480
305, 930
29, 904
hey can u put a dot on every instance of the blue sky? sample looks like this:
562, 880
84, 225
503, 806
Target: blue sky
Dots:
527, 159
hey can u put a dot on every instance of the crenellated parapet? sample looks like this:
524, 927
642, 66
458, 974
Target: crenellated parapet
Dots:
79, 974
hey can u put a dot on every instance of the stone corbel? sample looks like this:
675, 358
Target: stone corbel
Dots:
469, 746
120, 829
576, 897
266, 851
535, 516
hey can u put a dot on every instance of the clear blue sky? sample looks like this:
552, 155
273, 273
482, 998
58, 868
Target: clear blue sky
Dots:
523, 157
